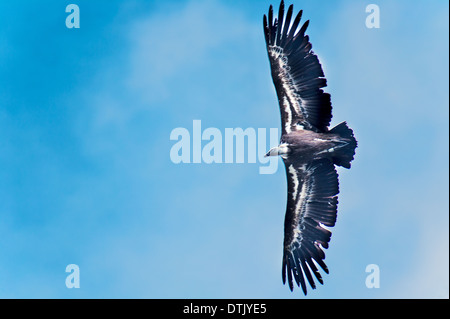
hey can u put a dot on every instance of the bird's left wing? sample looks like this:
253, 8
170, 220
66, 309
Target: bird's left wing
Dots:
297, 73
311, 205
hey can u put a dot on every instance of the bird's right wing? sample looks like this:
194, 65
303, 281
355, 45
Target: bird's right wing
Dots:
312, 204
297, 74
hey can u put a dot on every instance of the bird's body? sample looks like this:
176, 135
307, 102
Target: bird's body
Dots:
309, 149
306, 146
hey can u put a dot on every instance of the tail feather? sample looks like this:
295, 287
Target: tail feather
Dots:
344, 155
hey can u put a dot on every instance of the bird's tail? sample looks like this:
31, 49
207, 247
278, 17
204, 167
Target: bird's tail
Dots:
344, 154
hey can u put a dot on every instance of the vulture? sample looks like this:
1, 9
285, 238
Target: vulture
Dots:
309, 149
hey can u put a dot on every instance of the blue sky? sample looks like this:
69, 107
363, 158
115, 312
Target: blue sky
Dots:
86, 177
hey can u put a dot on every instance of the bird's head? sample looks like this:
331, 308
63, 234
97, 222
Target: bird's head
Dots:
273, 152
279, 150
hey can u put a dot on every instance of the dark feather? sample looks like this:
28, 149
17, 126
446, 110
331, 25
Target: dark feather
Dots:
287, 23
280, 22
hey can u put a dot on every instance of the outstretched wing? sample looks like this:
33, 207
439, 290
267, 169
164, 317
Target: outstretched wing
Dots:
297, 74
312, 204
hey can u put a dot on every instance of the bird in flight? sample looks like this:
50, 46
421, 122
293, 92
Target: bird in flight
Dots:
309, 149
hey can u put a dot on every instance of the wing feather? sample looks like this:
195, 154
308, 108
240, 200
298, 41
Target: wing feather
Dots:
312, 204
280, 23
297, 73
